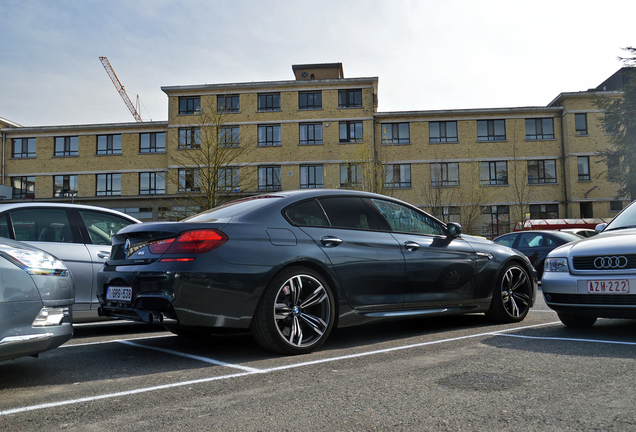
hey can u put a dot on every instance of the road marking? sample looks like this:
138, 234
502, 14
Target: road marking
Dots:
571, 339
193, 357
67, 345
255, 371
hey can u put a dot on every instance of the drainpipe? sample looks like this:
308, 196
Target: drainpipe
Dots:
565, 179
3, 142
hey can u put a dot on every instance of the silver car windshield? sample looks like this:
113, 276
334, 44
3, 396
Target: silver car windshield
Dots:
625, 219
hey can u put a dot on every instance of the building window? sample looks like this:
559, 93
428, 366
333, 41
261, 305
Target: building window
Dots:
229, 136
395, 133
108, 184
152, 183
190, 138
189, 180
583, 164
350, 131
616, 206
269, 102
154, 142
65, 185
495, 220
580, 124
447, 214
189, 105
269, 135
445, 131
108, 144
66, 146
311, 177
491, 130
397, 176
23, 187
444, 174
227, 104
229, 179
350, 98
310, 133
351, 175
544, 211
310, 100
269, 178
23, 147
539, 129
493, 173
542, 171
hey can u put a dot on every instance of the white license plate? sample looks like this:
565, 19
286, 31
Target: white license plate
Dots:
608, 286
119, 294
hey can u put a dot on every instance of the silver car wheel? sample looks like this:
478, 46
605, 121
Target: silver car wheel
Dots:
302, 310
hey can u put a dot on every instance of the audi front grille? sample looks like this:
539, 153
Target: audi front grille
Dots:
605, 262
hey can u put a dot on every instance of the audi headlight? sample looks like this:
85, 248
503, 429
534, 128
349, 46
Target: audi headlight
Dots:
556, 265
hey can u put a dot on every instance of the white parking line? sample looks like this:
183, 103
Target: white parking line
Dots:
194, 357
571, 339
256, 371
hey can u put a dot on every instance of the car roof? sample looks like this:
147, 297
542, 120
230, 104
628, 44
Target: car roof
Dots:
14, 206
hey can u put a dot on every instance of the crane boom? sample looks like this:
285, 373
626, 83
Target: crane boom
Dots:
120, 88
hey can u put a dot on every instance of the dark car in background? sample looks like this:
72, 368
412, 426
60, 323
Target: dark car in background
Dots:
596, 277
291, 266
536, 244
36, 295
79, 235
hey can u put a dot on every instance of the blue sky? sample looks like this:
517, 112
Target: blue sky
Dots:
428, 55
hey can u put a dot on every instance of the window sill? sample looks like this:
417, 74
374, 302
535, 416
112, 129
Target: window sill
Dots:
544, 184
396, 144
189, 114
65, 156
348, 107
268, 110
268, 145
351, 142
311, 144
540, 139
22, 157
148, 153
492, 141
311, 109
108, 154
443, 142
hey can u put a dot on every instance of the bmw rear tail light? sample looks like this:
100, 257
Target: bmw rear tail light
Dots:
190, 242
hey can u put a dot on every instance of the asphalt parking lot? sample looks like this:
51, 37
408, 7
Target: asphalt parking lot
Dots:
455, 373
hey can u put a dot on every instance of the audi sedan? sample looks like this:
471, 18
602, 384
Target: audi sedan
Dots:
291, 266
595, 277
36, 294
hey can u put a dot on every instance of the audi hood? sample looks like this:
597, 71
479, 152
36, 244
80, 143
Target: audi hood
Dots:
611, 242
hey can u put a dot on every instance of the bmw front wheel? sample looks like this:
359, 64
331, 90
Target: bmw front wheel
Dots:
295, 314
512, 295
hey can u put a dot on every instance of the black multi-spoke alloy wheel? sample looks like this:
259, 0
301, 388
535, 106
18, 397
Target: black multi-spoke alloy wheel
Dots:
512, 295
295, 314
571, 320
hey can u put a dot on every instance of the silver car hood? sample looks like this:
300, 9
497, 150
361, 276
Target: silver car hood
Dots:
611, 242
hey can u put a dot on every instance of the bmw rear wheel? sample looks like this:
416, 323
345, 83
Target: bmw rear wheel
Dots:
512, 295
296, 313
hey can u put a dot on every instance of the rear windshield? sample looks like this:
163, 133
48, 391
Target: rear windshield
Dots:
231, 209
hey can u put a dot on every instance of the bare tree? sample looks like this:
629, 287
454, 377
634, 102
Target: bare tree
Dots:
210, 163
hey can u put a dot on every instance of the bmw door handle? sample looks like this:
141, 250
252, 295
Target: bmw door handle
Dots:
103, 255
411, 246
329, 241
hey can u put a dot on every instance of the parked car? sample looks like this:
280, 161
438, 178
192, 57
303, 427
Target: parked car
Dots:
36, 295
596, 277
583, 232
536, 244
79, 235
290, 266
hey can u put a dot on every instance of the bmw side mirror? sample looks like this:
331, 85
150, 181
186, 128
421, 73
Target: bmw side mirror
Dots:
600, 227
454, 229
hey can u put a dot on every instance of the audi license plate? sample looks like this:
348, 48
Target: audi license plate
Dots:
608, 286
119, 293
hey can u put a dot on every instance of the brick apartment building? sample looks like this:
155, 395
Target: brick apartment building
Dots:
484, 168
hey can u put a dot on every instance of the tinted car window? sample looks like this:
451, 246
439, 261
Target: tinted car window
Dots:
308, 213
531, 240
348, 213
506, 240
4, 227
231, 209
102, 226
42, 224
405, 219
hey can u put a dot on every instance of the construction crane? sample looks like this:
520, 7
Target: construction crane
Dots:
120, 88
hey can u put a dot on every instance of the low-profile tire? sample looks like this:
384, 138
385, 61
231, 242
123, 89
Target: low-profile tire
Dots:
579, 321
512, 295
296, 312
